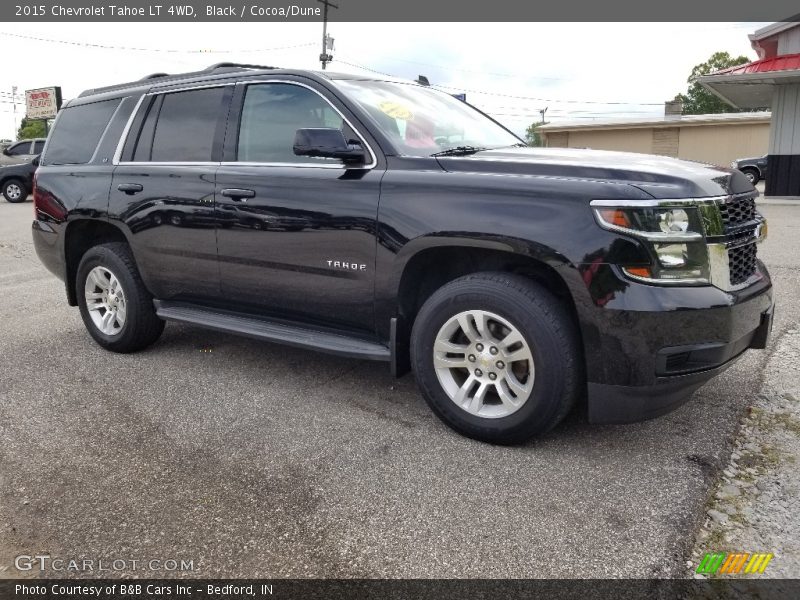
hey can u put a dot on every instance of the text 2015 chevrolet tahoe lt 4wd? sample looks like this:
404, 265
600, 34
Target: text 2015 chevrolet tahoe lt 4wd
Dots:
384, 220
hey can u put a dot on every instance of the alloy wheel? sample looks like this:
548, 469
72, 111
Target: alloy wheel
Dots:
13, 191
484, 364
105, 300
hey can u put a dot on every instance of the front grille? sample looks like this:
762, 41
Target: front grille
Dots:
736, 211
740, 222
742, 263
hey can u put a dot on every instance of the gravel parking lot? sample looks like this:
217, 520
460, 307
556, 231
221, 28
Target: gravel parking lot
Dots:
255, 460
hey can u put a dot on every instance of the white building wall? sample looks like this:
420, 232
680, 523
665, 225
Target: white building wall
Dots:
789, 41
785, 130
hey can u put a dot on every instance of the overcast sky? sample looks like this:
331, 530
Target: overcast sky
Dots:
511, 70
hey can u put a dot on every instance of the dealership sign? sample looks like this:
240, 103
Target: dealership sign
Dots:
42, 103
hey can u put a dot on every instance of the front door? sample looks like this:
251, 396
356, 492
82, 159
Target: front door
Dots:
296, 235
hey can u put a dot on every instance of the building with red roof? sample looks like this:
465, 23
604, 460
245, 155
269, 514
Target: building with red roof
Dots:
772, 81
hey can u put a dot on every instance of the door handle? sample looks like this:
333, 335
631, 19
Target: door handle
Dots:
130, 188
238, 194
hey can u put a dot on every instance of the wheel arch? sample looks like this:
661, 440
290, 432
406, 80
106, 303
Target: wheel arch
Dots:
79, 236
423, 267
14, 177
5, 178
755, 168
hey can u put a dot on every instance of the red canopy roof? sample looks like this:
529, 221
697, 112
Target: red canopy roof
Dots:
787, 62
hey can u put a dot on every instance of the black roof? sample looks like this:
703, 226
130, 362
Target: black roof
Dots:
147, 80
216, 71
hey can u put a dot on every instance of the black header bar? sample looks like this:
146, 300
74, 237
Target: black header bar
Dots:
443, 11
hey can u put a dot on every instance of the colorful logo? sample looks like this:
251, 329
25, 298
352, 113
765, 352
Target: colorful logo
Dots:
734, 563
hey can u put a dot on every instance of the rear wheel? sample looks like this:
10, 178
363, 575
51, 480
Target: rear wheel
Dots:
497, 357
14, 190
115, 306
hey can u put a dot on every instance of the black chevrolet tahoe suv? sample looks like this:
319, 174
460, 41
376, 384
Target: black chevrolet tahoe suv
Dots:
383, 220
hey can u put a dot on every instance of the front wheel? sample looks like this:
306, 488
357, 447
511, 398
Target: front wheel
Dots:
752, 175
115, 306
497, 357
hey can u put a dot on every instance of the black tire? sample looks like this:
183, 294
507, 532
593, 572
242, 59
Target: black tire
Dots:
548, 330
752, 174
142, 327
15, 190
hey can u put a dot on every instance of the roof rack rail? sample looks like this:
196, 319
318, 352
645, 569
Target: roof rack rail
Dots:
214, 67
174, 77
154, 76
228, 65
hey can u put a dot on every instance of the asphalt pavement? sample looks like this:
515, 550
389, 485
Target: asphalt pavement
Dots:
248, 459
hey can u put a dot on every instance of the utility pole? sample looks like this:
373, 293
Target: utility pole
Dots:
14, 101
325, 58
542, 111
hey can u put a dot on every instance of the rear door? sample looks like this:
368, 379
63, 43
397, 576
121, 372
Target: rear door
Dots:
163, 190
303, 244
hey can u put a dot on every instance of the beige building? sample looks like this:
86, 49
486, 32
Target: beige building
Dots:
716, 139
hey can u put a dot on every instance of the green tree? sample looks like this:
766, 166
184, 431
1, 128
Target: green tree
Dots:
30, 128
698, 100
532, 135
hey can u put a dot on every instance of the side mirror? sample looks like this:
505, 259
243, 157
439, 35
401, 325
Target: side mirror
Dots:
6, 152
327, 142
35, 161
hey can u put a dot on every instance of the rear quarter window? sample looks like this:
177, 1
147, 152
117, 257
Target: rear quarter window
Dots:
78, 131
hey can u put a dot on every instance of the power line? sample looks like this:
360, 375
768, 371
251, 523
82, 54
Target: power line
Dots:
478, 72
349, 64
524, 106
568, 118
610, 103
444, 88
137, 49
571, 115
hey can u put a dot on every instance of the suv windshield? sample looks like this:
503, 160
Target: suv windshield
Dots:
421, 122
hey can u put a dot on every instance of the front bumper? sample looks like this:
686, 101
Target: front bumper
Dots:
651, 362
612, 404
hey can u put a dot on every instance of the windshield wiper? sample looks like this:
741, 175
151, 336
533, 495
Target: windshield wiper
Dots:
459, 151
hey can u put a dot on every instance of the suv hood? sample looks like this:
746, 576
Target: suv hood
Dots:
659, 176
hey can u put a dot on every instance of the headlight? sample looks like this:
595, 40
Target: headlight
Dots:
734, 164
672, 234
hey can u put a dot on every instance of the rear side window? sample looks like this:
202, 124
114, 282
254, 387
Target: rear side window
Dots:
38, 146
78, 131
184, 128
